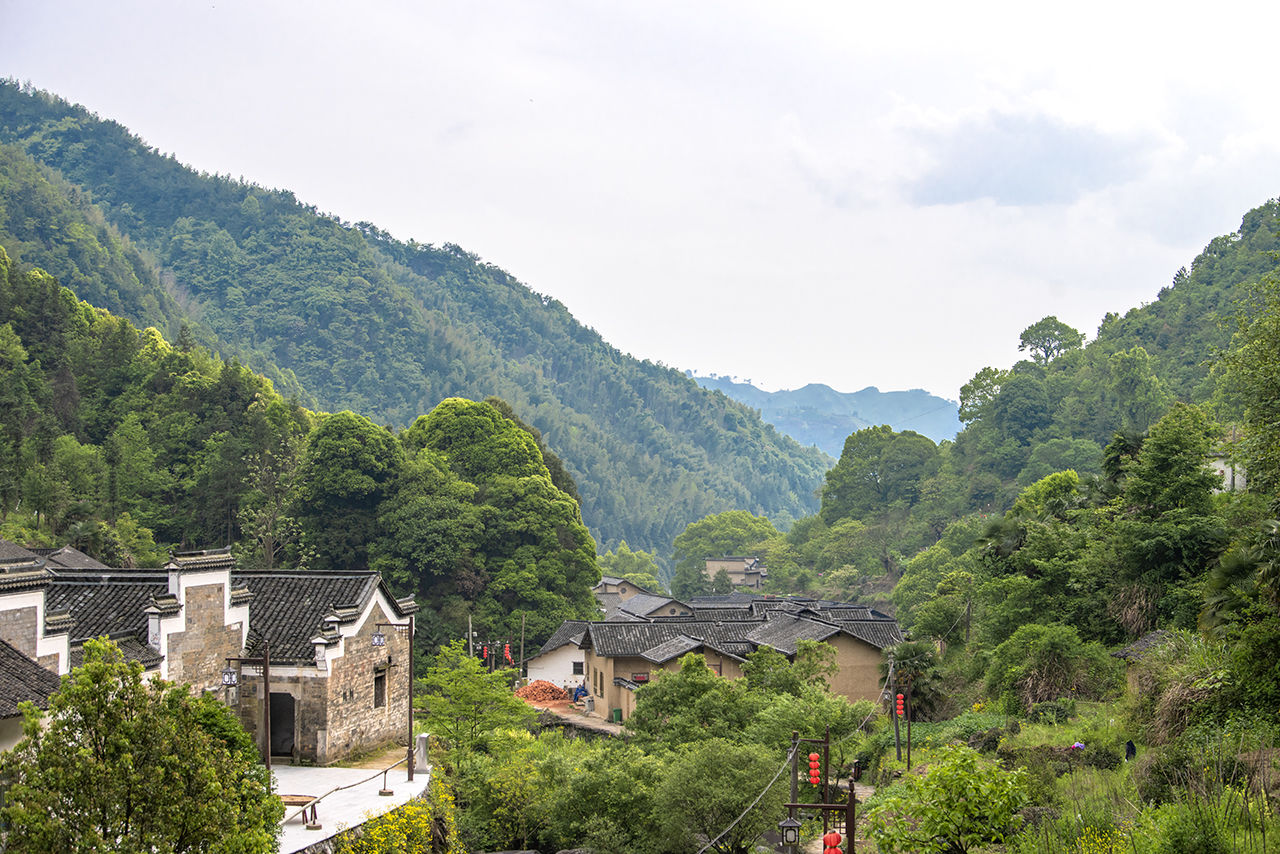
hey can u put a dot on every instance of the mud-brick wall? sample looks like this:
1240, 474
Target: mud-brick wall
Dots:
355, 724
198, 655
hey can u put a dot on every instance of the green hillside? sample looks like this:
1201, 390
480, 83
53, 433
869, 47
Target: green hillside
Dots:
359, 320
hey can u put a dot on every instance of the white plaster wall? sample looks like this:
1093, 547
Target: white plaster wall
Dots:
556, 666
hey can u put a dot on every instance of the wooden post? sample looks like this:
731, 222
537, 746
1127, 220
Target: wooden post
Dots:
411, 757
520, 666
795, 781
908, 726
851, 817
266, 703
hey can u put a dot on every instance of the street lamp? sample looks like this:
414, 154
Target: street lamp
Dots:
231, 680
378, 639
790, 830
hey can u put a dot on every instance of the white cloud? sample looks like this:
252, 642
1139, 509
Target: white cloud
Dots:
804, 192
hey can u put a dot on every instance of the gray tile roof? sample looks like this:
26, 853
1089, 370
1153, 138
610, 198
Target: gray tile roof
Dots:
880, 633
635, 639
13, 551
291, 607
133, 648
783, 632
106, 603
67, 557
570, 632
23, 679
714, 614
674, 648
644, 604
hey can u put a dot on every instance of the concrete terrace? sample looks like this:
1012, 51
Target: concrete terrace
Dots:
356, 801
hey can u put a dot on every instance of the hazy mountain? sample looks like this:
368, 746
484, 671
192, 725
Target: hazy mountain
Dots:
819, 415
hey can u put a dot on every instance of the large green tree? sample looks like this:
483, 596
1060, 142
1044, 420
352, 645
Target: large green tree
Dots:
1048, 338
734, 532
124, 764
347, 469
463, 703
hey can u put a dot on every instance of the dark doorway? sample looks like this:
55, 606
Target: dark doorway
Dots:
281, 724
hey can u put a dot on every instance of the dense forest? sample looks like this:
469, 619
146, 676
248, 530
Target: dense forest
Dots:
344, 316
113, 440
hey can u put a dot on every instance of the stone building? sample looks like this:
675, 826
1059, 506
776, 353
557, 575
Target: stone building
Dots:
332, 691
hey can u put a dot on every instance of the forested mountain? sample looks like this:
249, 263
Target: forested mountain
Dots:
819, 415
895, 495
351, 318
112, 439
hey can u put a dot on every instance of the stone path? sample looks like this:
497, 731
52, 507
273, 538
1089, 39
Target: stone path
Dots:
356, 802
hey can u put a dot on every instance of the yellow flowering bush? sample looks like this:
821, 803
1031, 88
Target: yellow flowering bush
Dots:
424, 826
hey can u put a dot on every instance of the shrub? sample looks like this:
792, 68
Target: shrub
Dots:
1039, 663
1190, 827
962, 802
1052, 711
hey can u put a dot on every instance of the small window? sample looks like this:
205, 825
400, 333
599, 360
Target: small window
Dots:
639, 677
577, 668
673, 610
716, 667
379, 690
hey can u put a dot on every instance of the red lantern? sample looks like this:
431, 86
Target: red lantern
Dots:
485, 651
831, 840
900, 705
832, 851
506, 651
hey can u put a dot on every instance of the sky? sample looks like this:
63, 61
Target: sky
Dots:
844, 193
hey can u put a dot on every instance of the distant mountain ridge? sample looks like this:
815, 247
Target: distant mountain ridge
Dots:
819, 415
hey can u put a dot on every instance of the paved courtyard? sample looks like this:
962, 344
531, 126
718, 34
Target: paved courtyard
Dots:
356, 800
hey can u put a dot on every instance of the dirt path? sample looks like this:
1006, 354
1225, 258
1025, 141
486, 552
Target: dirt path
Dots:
573, 716
814, 846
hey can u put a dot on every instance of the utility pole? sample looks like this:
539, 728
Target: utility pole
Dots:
795, 780
909, 724
892, 683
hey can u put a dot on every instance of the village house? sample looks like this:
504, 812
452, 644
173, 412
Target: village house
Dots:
333, 692
561, 662
619, 655
743, 572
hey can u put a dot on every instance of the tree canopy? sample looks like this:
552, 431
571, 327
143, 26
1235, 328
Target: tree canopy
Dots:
120, 763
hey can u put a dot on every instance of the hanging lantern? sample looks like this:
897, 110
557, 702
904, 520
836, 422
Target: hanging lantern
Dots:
832, 839
229, 677
485, 655
901, 700
378, 638
815, 766
506, 652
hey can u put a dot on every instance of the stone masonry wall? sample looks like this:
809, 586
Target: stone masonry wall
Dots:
355, 725
310, 711
19, 628
198, 655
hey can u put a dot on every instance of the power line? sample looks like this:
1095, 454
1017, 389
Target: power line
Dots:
790, 755
786, 762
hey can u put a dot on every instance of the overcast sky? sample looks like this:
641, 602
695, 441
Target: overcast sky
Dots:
847, 193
